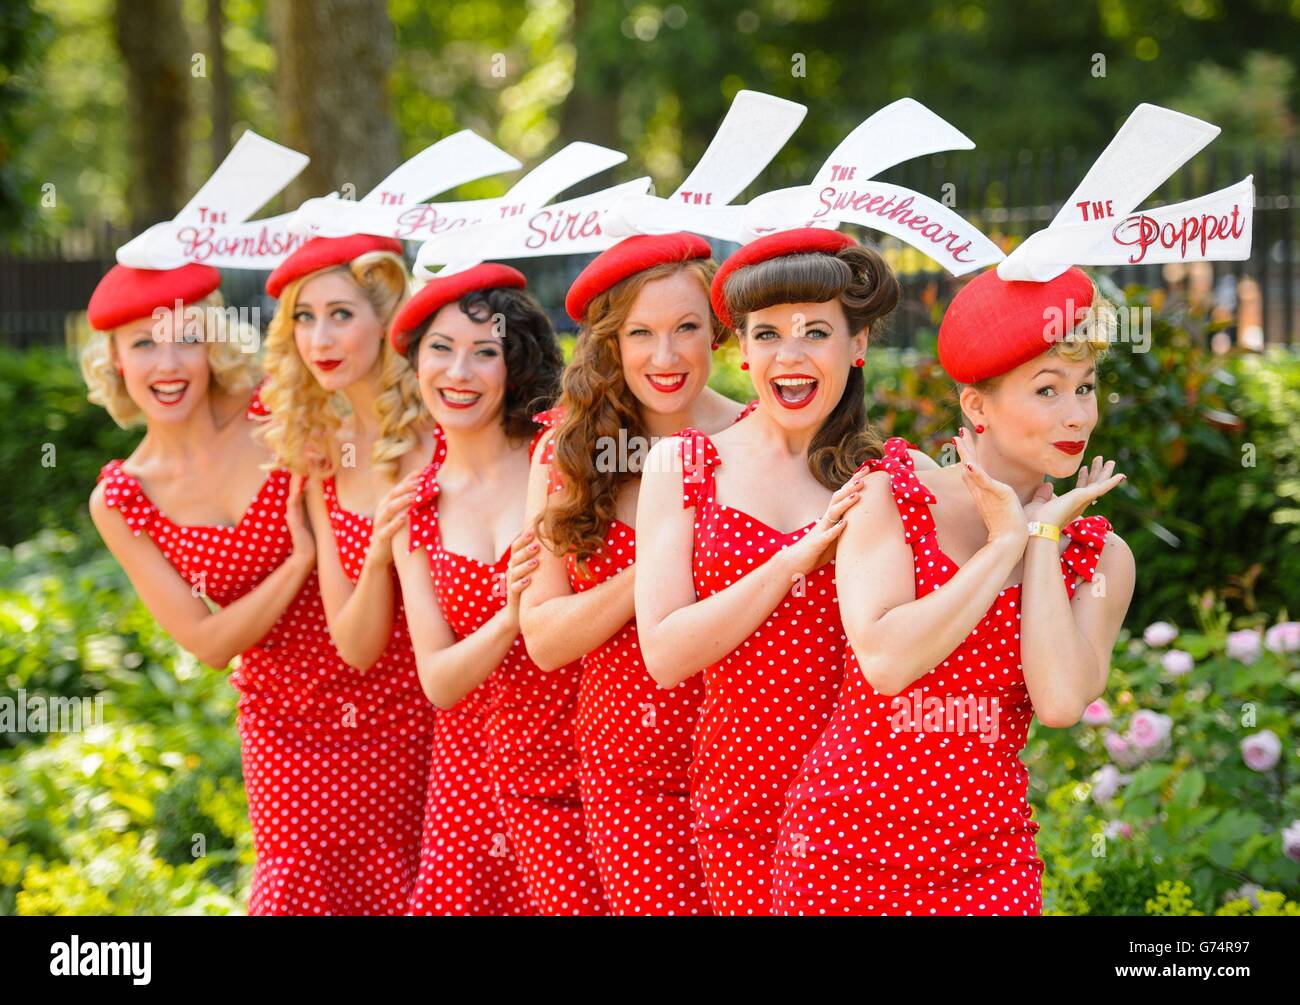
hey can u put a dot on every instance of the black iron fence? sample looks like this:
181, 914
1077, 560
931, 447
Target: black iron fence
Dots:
46, 281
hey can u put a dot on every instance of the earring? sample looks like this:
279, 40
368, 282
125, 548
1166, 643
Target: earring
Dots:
744, 364
859, 362
979, 428
119, 370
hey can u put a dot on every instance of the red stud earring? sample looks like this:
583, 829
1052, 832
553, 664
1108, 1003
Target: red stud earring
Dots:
979, 428
859, 362
744, 365
119, 371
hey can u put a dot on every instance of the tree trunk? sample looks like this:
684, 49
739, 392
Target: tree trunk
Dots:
219, 77
156, 52
332, 92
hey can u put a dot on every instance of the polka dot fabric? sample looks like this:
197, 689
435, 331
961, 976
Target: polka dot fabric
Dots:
634, 749
905, 807
764, 704
326, 752
527, 718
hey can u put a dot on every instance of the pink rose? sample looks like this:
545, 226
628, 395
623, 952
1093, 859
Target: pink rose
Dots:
1261, 750
1120, 750
1176, 662
1283, 637
1097, 714
1244, 646
1159, 634
1106, 781
1291, 841
1148, 731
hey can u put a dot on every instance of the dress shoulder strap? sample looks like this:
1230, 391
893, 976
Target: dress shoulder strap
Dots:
256, 409
422, 519
1087, 539
550, 419
910, 495
124, 493
747, 411
698, 458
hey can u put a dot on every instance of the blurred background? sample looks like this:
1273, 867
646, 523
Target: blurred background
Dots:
1180, 794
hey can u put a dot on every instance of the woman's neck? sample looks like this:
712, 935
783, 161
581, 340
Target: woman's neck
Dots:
175, 443
473, 452
792, 442
1023, 481
361, 396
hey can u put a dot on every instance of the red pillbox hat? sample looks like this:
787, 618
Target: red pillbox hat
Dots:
993, 325
323, 252
125, 294
443, 290
783, 242
627, 258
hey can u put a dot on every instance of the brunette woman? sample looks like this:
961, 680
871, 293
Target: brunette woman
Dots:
503, 802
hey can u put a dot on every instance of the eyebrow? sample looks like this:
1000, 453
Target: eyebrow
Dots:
806, 323
645, 324
1061, 373
477, 341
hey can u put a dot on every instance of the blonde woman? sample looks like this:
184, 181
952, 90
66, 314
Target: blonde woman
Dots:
223, 556
342, 408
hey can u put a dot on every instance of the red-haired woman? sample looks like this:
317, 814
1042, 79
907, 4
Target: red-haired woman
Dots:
961, 596
639, 373
737, 534
503, 821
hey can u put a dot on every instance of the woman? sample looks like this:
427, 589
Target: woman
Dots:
743, 589
343, 408
965, 618
503, 823
194, 520
639, 372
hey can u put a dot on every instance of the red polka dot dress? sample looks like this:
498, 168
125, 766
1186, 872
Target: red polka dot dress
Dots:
916, 803
329, 755
521, 810
634, 751
765, 703
394, 672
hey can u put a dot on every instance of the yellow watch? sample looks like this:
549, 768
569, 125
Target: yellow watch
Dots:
1047, 530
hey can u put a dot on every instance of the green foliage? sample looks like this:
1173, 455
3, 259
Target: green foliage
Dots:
54, 444
1191, 812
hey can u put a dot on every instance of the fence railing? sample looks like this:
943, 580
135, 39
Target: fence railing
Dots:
46, 281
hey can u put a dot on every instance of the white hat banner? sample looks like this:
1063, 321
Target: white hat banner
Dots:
1097, 224
223, 236
759, 124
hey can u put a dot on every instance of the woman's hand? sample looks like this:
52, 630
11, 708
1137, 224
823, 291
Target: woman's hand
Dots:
390, 514
998, 505
1094, 481
295, 515
523, 560
817, 547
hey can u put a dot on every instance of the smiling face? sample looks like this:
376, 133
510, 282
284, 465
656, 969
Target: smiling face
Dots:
1040, 415
335, 329
164, 366
799, 357
461, 366
664, 343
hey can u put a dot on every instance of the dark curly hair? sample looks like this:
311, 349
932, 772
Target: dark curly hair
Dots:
534, 361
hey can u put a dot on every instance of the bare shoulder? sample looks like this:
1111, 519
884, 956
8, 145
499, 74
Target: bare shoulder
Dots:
1117, 558
876, 508
923, 461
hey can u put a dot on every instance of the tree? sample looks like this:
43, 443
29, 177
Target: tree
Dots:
332, 92
156, 51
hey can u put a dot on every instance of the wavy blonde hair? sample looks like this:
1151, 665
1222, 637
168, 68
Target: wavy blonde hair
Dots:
234, 371
302, 430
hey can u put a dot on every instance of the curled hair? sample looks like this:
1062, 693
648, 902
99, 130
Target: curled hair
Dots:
532, 353
303, 427
233, 370
598, 404
866, 288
